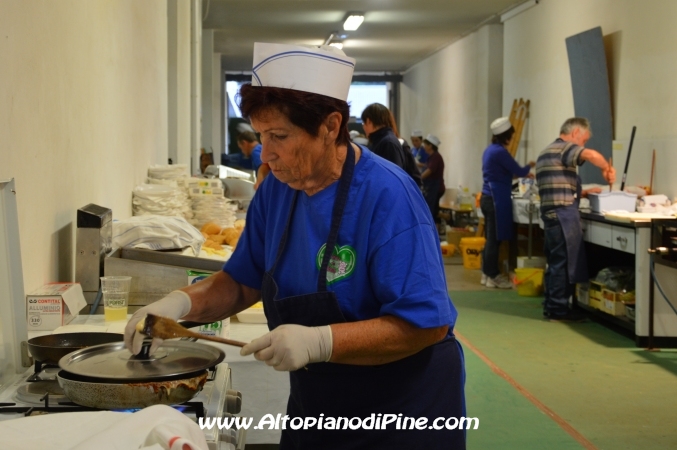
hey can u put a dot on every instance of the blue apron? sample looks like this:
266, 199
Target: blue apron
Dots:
570, 220
501, 194
427, 384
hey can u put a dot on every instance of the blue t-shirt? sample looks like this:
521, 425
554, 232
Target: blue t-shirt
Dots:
420, 155
389, 259
256, 158
499, 166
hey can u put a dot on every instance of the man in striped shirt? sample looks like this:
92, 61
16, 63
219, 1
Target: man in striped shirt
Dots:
559, 189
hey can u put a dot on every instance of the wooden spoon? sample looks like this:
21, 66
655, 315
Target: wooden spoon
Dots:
166, 328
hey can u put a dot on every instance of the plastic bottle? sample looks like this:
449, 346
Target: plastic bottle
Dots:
466, 200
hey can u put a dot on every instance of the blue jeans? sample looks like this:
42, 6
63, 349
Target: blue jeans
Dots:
558, 289
490, 252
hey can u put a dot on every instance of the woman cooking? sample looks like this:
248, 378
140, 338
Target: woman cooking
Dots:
498, 170
332, 246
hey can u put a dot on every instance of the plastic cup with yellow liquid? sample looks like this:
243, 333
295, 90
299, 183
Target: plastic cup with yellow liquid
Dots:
115, 290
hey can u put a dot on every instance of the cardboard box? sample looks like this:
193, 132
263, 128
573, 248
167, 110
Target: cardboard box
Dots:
623, 297
220, 328
195, 191
612, 307
53, 305
213, 183
455, 235
614, 302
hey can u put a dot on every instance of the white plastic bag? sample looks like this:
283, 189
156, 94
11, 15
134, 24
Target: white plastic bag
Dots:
157, 233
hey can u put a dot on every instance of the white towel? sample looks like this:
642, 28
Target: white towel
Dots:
146, 429
158, 427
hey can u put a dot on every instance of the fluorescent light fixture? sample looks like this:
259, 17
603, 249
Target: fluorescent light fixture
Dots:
518, 9
338, 45
353, 22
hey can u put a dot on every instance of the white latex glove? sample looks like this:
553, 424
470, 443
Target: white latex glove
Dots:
175, 305
290, 347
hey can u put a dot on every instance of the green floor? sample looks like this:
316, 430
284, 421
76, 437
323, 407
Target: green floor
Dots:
613, 394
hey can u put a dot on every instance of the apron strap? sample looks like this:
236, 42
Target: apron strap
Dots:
337, 214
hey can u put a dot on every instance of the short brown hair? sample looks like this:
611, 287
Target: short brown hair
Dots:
247, 136
305, 110
378, 114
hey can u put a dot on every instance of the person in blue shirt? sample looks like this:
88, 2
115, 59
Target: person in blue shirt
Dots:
498, 170
418, 150
251, 148
339, 246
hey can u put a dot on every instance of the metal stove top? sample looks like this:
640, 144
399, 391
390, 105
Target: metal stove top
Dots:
27, 398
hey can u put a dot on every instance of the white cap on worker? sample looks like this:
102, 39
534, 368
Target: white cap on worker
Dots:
323, 70
433, 140
500, 125
417, 133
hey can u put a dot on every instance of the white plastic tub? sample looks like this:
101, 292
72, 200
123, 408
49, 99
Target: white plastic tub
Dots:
612, 201
254, 314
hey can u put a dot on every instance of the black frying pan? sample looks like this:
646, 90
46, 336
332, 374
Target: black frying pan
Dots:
51, 348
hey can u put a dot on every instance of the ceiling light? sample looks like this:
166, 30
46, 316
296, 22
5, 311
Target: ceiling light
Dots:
353, 21
338, 45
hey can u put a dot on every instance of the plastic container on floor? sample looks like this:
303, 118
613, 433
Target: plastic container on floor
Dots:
471, 249
529, 281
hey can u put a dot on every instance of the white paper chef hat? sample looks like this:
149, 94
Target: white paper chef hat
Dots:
433, 140
417, 133
321, 70
500, 125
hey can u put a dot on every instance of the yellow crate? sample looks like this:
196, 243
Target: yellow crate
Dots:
595, 303
595, 290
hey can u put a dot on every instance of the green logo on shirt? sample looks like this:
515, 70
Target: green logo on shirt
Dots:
341, 263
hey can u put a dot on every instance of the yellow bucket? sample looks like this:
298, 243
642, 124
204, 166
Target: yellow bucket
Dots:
471, 249
529, 281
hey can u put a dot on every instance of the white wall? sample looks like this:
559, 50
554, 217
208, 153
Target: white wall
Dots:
455, 94
83, 113
641, 42
212, 79
206, 99
218, 83
178, 60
